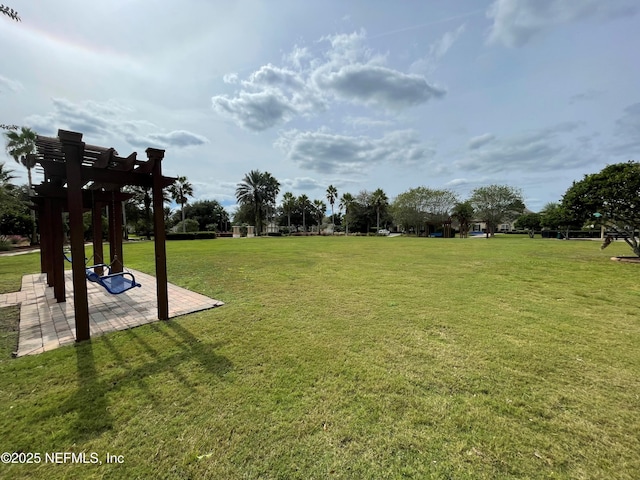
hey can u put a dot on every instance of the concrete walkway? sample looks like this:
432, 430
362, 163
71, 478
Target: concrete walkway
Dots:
46, 324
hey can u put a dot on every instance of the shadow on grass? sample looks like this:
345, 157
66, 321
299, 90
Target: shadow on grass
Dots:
91, 401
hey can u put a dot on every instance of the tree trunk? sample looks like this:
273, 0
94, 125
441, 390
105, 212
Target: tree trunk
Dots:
34, 232
184, 227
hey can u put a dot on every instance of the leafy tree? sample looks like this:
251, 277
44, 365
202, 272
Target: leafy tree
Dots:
288, 205
463, 212
259, 190
180, 190
243, 214
332, 196
555, 216
346, 201
612, 198
20, 146
529, 222
495, 204
319, 209
207, 213
421, 205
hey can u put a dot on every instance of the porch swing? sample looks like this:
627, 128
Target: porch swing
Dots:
114, 283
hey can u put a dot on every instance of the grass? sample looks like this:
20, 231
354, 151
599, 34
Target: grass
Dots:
350, 358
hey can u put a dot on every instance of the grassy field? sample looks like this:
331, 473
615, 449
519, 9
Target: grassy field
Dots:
349, 358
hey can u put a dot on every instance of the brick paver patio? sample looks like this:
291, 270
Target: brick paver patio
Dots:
46, 324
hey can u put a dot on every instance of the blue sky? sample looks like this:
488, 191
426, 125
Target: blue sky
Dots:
360, 94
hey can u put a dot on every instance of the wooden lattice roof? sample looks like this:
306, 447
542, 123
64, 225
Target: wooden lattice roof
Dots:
101, 167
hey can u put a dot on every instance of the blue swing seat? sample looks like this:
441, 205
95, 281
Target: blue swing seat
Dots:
114, 283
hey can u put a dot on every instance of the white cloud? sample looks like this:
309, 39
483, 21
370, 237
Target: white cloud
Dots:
541, 150
515, 22
345, 71
437, 50
6, 84
326, 152
480, 140
101, 120
373, 84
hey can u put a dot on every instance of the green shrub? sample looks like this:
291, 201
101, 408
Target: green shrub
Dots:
191, 235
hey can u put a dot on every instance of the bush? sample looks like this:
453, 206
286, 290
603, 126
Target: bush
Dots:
190, 225
5, 243
15, 224
191, 235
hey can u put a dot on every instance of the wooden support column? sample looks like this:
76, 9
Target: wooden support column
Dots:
46, 241
116, 207
156, 156
115, 235
73, 149
43, 236
57, 250
96, 223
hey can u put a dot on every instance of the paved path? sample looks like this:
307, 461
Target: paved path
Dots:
46, 324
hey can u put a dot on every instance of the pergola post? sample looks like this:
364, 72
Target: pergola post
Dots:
56, 248
73, 149
115, 211
155, 155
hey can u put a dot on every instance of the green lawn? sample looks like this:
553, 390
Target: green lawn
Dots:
350, 358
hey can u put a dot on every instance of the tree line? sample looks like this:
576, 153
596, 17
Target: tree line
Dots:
610, 198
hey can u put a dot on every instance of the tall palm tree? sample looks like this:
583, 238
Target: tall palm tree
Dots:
179, 191
332, 195
20, 146
345, 202
379, 199
320, 208
259, 190
304, 203
288, 204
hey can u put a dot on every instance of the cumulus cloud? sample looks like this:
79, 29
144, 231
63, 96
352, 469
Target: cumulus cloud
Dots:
344, 70
326, 152
515, 22
373, 84
101, 120
541, 150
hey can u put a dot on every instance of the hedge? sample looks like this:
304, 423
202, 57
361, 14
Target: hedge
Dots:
190, 235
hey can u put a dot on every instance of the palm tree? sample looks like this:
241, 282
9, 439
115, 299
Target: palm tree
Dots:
5, 177
259, 190
320, 208
332, 195
288, 204
303, 203
345, 202
21, 146
379, 199
180, 190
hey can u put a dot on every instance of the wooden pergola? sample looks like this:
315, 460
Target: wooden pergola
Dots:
78, 178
